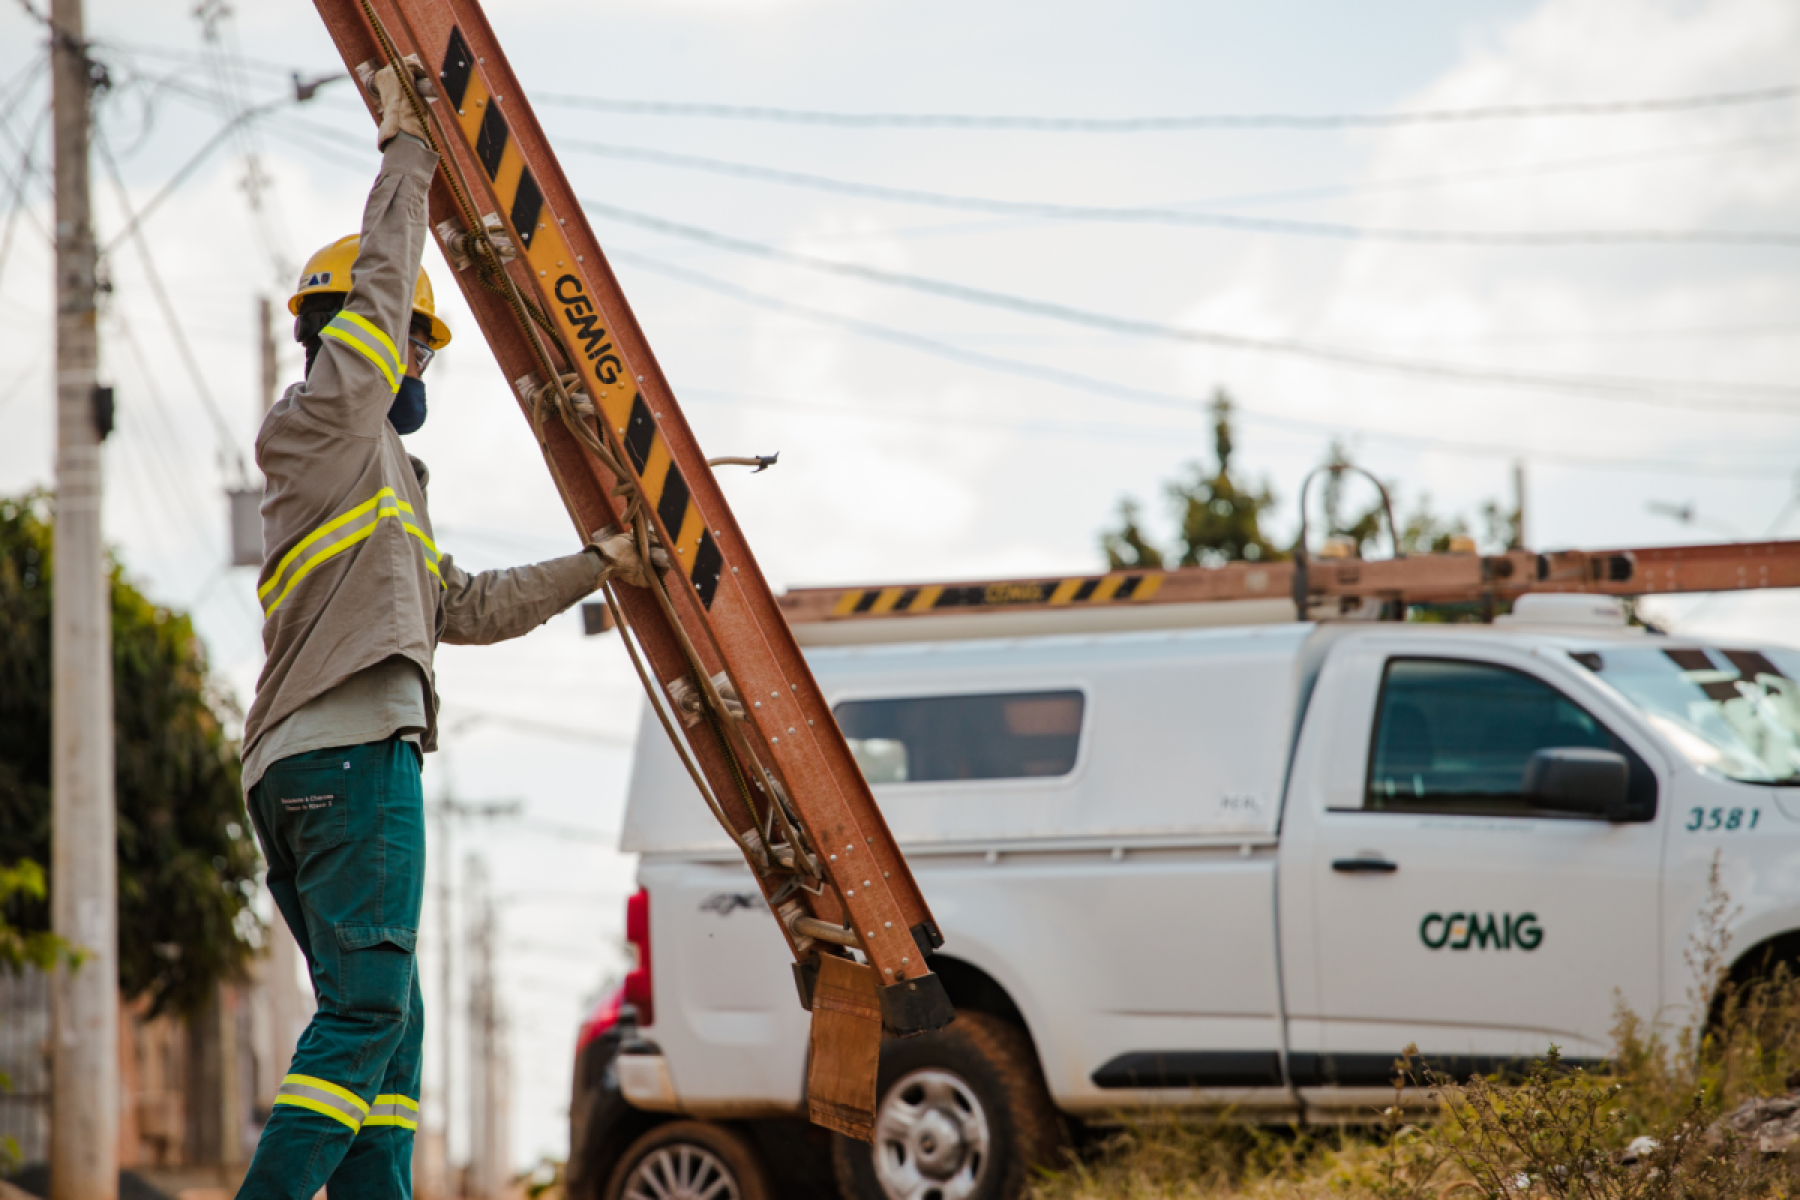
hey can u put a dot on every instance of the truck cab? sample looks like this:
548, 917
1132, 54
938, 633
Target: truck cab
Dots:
1236, 870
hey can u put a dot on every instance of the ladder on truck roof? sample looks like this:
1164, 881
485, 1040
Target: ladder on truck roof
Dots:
1241, 593
723, 670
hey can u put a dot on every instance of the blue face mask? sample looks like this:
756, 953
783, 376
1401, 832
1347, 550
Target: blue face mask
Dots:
407, 413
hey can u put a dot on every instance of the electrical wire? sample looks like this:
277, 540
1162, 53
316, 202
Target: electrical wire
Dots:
1312, 121
18, 182
1042, 210
217, 30
174, 182
1159, 399
1655, 392
1045, 124
227, 443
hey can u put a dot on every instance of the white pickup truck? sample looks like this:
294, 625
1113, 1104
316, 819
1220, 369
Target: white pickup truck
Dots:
1211, 869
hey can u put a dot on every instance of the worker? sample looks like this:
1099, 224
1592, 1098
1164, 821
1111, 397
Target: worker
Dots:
356, 596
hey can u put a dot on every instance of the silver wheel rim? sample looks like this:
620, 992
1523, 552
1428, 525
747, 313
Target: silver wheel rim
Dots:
931, 1138
682, 1171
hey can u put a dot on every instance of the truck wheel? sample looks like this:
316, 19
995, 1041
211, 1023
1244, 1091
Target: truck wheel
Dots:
689, 1160
962, 1115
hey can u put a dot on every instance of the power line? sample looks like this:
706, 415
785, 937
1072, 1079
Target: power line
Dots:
174, 182
677, 108
1046, 124
18, 182
1047, 210
1654, 392
227, 444
1159, 399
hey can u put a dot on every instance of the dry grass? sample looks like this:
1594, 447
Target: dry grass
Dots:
1559, 1134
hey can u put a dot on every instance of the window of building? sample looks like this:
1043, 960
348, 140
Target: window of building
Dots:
930, 739
1456, 737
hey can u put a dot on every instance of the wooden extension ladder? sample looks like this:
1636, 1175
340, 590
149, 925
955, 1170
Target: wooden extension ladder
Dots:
721, 667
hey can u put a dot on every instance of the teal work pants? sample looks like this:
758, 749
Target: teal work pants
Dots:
343, 831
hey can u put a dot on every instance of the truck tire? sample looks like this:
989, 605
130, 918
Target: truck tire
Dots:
689, 1160
961, 1114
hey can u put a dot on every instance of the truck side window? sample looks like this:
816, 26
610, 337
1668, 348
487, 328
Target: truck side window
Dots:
1003, 735
1455, 737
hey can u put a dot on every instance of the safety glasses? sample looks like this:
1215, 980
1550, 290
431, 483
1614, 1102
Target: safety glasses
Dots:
423, 354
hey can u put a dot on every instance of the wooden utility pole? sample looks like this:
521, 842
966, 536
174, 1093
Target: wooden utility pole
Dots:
84, 1107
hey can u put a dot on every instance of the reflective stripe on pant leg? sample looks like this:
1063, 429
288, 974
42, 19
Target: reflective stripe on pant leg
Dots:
394, 1110
321, 1096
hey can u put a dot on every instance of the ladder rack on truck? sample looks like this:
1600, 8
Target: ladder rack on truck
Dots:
1308, 588
723, 670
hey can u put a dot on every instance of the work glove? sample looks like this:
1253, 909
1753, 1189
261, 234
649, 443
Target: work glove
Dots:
397, 115
620, 559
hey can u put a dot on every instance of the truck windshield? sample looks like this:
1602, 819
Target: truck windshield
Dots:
1736, 712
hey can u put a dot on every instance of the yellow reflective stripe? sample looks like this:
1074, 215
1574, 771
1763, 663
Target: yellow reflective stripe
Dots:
325, 1098
374, 331
331, 551
321, 1106
395, 1110
381, 510
351, 336
314, 1081
333, 524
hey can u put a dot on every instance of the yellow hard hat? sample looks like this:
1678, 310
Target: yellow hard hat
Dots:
329, 271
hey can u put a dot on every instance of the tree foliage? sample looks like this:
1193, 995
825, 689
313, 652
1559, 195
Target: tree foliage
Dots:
187, 861
1220, 517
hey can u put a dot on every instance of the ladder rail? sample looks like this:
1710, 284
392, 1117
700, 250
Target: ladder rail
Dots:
1416, 579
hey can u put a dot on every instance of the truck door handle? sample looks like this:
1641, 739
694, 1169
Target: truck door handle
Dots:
1364, 866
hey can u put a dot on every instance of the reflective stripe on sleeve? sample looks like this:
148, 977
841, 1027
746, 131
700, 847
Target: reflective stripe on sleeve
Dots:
321, 1096
401, 1111
338, 535
362, 335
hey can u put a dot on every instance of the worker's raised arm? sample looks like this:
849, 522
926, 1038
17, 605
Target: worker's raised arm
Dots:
362, 351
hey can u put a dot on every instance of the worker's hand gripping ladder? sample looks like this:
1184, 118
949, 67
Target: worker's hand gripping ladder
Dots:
715, 654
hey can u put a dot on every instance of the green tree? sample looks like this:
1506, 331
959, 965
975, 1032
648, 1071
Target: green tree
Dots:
1127, 546
1218, 517
187, 861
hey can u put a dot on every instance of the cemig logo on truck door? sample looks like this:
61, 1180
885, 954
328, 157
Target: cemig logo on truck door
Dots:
1461, 931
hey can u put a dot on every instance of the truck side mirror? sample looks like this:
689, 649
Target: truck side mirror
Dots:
1577, 779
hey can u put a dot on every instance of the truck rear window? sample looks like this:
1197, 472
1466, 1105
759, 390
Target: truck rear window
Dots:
999, 735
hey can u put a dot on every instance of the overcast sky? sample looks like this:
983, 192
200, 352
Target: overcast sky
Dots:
901, 464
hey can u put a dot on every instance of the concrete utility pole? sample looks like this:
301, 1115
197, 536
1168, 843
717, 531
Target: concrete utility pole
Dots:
448, 810
265, 325
489, 1100
84, 1106
1519, 502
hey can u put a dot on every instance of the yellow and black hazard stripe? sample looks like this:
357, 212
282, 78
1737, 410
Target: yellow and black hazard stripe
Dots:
484, 126
1092, 590
667, 492
540, 240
